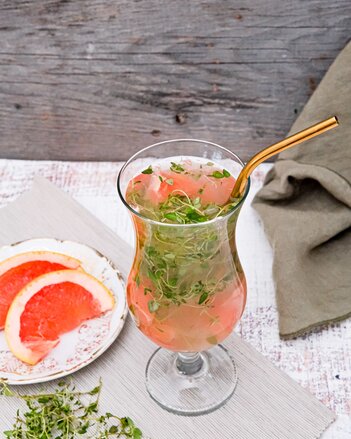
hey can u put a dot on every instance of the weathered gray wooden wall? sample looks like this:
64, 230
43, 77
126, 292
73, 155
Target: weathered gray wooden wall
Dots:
99, 79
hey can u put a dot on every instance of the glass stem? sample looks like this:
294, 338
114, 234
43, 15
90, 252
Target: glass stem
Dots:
189, 363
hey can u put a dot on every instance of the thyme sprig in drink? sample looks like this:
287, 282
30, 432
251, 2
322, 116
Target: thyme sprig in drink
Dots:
187, 289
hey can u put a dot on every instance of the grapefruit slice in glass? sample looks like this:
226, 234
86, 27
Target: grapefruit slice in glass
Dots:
51, 305
16, 272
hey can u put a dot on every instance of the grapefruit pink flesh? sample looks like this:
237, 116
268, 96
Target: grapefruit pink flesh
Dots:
51, 305
19, 270
208, 189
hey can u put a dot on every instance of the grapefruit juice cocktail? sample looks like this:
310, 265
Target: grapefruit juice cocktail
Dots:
186, 289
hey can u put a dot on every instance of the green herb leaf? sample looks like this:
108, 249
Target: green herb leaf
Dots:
217, 174
153, 306
196, 217
203, 297
173, 282
5, 391
137, 434
84, 428
152, 275
147, 290
197, 202
129, 421
160, 178
148, 170
173, 216
95, 390
43, 399
113, 429
176, 168
226, 173
169, 181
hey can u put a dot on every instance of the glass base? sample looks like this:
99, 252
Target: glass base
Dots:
191, 384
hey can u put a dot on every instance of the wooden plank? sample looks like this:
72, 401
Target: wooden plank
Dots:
98, 80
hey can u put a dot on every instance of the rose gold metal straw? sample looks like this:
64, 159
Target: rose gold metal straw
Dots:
261, 156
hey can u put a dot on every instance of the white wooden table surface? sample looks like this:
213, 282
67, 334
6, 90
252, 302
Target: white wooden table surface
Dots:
320, 362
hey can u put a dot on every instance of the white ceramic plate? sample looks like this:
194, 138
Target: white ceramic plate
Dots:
86, 343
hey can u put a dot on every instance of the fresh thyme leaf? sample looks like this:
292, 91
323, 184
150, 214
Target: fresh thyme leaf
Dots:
203, 297
175, 167
43, 399
153, 305
217, 174
196, 217
173, 282
151, 251
67, 414
6, 391
169, 181
173, 216
95, 390
137, 279
197, 202
200, 191
154, 276
137, 434
147, 290
148, 170
160, 178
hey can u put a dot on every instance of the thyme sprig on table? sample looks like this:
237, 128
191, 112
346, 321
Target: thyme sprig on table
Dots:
66, 413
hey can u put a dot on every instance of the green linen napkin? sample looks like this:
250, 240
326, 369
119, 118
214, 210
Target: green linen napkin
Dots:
305, 206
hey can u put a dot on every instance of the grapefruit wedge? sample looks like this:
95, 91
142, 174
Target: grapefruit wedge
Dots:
16, 272
51, 305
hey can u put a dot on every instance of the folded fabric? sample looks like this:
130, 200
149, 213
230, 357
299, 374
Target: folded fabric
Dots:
305, 206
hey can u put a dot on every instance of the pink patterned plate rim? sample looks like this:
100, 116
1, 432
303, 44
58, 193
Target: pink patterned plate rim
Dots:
82, 346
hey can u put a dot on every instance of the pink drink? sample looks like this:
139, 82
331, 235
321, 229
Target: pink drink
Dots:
186, 289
